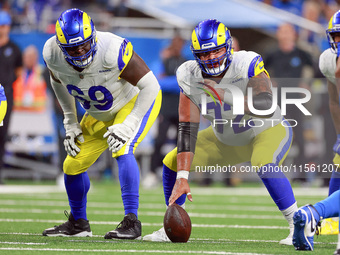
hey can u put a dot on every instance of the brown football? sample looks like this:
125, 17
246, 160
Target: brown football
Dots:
177, 224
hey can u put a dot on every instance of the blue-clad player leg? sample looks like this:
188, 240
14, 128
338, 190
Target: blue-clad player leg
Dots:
307, 218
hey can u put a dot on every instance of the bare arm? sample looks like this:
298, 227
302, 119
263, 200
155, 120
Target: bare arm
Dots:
188, 113
135, 69
261, 92
260, 83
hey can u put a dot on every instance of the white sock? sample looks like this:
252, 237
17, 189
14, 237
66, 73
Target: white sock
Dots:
289, 213
338, 245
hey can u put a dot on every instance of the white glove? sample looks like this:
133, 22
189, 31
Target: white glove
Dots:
117, 135
73, 132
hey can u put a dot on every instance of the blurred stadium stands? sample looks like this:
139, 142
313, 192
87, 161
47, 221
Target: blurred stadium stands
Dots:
150, 25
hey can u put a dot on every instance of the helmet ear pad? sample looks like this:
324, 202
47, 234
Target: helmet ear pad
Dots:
73, 28
212, 35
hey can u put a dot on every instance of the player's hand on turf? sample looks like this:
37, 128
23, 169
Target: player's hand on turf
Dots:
74, 135
117, 135
181, 187
336, 147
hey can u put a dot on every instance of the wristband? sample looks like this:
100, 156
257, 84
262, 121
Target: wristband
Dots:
182, 174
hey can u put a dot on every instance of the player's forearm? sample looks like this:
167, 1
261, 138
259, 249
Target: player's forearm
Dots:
149, 89
262, 102
66, 102
184, 160
186, 143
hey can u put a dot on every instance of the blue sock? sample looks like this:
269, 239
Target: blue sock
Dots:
169, 179
77, 187
329, 207
129, 182
334, 183
277, 185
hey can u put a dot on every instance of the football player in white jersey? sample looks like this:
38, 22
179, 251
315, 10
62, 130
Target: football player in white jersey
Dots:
214, 71
330, 68
122, 99
307, 221
329, 64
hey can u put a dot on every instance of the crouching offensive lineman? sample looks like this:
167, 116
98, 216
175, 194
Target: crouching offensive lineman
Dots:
205, 89
122, 99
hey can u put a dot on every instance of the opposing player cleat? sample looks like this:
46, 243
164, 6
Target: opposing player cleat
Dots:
129, 228
72, 227
305, 227
329, 226
337, 252
157, 236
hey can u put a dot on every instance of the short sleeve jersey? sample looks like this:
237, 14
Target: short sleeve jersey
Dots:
98, 87
327, 65
236, 130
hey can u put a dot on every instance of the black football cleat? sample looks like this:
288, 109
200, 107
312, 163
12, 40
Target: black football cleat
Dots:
72, 227
337, 252
129, 228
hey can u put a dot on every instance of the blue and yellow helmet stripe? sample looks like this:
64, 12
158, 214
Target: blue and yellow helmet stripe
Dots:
211, 35
75, 27
83, 30
333, 27
334, 22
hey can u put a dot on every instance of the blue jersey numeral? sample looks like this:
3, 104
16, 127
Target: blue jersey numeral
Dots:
97, 94
238, 125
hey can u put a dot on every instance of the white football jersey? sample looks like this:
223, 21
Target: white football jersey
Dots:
98, 87
327, 65
237, 130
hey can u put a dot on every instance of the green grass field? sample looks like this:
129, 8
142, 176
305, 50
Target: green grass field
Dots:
241, 220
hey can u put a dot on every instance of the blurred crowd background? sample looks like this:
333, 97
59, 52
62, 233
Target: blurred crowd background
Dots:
289, 34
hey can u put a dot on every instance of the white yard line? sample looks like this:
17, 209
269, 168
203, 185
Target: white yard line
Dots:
261, 191
202, 191
23, 243
132, 251
18, 189
208, 240
160, 214
222, 207
145, 224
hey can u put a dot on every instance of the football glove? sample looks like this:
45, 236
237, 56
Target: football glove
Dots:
73, 134
117, 135
336, 147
